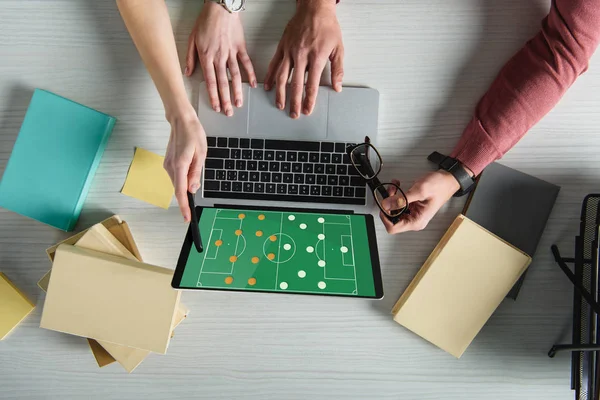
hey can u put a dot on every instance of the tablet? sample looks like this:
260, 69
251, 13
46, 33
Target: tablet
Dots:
297, 251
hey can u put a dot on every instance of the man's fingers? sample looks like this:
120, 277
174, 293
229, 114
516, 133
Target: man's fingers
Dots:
223, 83
190, 58
208, 69
337, 68
282, 77
394, 202
312, 85
389, 227
404, 225
392, 190
273, 68
236, 80
247, 63
181, 185
414, 194
297, 88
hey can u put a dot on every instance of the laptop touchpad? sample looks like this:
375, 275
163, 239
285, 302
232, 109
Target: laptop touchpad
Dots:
217, 123
265, 120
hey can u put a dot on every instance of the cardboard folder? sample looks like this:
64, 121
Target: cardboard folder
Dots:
120, 230
109, 298
100, 239
116, 226
130, 357
460, 285
112, 236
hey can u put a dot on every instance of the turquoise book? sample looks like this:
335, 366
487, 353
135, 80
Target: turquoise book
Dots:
54, 159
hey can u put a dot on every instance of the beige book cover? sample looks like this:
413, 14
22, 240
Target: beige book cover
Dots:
130, 357
99, 238
14, 306
112, 299
460, 285
120, 231
116, 226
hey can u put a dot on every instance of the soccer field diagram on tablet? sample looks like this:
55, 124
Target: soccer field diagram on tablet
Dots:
288, 251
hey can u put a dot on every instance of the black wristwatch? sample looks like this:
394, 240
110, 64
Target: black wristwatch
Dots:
454, 166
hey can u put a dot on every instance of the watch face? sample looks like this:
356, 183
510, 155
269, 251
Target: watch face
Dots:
235, 5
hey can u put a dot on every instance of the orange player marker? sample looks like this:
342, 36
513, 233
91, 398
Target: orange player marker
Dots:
218, 243
259, 233
229, 280
261, 217
233, 259
252, 281
255, 260
242, 216
271, 256
272, 238
238, 232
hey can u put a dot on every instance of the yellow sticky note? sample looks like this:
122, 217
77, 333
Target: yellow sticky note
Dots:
14, 306
147, 180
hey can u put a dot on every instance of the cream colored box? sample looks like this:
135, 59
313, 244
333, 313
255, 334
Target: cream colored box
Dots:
463, 281
111, 299
111, 236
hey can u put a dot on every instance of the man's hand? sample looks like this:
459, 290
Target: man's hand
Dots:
185, 157
425, 198
218, 40
311, 37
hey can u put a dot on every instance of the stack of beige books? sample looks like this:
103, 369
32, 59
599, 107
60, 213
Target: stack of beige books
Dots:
99, 288
463, 281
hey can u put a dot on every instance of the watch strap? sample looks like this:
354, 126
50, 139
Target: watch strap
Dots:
453, 166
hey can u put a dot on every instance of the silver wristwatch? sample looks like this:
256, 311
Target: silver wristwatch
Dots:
233, 6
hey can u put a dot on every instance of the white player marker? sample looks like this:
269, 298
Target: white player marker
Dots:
283, 285
310, 249
302, 226
292, 217
321, 263
322, 285
321, 236
301, 274
287, 246
321, 220
344, 249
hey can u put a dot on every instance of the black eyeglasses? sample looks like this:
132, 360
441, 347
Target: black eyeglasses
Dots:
367, 161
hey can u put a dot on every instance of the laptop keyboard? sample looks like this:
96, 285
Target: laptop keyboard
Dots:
281, 170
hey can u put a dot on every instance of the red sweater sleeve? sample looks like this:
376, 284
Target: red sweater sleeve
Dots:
532, 82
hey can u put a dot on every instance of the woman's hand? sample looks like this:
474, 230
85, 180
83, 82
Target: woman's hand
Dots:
218, 40
185, 157
425, 198
312, 37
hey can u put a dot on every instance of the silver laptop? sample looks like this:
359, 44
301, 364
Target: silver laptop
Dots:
260, 156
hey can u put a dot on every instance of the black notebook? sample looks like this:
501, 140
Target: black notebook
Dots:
514, 206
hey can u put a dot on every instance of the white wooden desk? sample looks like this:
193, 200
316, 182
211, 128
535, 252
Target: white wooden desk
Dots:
431, 61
